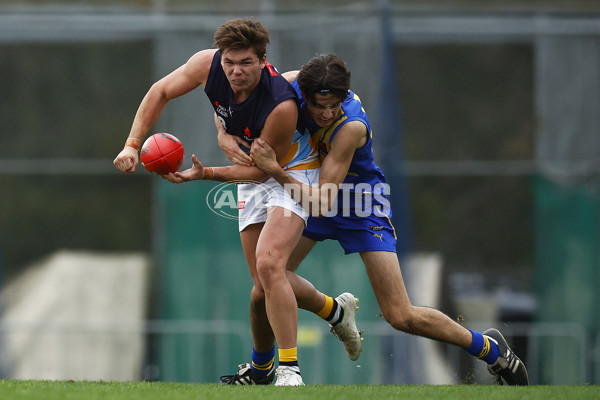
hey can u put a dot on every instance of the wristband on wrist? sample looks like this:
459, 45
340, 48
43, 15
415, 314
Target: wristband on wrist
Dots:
212, 173
133, 142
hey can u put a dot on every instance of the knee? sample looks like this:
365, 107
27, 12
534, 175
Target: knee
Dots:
268, 267
405, 321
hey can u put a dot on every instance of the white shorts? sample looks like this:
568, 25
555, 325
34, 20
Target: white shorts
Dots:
254, 200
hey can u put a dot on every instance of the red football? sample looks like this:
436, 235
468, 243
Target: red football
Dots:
162, 153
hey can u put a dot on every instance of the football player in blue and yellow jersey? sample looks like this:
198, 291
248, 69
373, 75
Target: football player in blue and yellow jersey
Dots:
356, 213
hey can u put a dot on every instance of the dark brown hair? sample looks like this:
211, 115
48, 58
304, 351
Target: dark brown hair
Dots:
324, 74
240, 34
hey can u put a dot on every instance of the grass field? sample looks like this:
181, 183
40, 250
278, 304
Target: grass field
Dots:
69, 390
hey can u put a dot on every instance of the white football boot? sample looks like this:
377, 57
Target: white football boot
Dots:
288, 376
346, 330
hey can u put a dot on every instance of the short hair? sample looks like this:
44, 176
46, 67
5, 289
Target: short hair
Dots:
240, 34
324, 74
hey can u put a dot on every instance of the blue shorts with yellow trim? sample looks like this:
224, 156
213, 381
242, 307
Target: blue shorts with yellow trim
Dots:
355, 234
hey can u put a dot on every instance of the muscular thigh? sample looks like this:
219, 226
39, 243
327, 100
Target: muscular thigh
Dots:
279, 235
386, 279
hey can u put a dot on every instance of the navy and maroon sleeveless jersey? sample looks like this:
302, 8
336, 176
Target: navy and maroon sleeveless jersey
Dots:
246, 119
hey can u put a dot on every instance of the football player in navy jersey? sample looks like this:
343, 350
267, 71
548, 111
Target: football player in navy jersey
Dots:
343, 133
251, 99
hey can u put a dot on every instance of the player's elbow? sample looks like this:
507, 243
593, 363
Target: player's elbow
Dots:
158, 93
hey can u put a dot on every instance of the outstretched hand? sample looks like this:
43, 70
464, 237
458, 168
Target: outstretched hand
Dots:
264, 156
191, 174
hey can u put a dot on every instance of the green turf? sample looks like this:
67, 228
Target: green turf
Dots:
69, 390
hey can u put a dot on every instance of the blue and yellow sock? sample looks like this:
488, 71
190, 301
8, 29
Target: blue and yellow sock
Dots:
262, 362
483, 348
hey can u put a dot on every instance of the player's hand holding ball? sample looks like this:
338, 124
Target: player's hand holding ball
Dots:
197, 172
162, 153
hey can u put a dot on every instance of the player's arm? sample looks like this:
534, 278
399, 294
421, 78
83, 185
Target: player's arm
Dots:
334, 167
179, 82
278, 132
230, 144
231, 173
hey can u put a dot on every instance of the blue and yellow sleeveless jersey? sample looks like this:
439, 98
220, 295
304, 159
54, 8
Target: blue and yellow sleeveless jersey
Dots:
364, 175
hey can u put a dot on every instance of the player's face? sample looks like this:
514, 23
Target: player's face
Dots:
242, 68
324, 109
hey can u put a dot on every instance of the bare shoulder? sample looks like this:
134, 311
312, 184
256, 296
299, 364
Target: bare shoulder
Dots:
290, 75
353, 133
202, 57
198, 65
